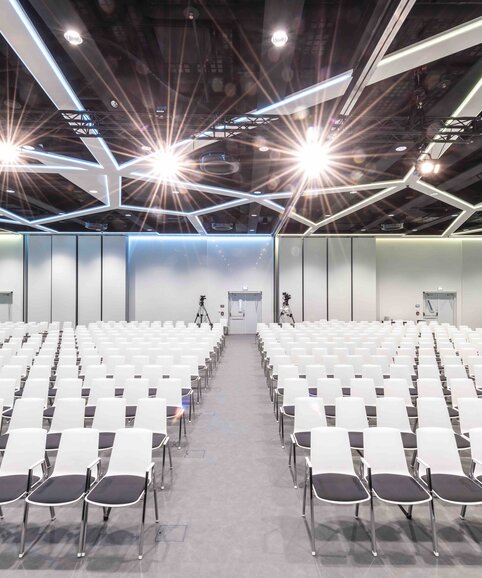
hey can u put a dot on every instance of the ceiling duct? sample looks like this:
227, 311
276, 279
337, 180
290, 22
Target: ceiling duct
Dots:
97, 227
390, 227
222, 227
219, 163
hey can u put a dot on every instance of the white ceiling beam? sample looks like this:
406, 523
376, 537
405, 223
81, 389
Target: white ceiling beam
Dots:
457, 223
197, 224
358, 206
431, 191
20, 33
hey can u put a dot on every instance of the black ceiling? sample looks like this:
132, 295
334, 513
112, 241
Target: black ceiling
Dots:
171, 77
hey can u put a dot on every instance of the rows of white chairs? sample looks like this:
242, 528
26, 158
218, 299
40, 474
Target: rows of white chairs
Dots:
381, 391
84, 391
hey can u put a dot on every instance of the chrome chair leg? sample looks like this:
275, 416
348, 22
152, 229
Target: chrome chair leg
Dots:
24, 530
373, 528
170, 457
143, 521
163, 464
434, 528
312, 517
156, 507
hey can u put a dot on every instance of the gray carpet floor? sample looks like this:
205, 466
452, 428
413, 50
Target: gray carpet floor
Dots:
229, 509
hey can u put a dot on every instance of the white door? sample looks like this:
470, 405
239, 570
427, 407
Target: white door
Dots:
244, 311
439, 306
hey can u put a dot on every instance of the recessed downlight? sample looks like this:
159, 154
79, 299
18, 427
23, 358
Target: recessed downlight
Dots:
93, 191
263, 149
73, 37
401, 148
256, 192
128, 215
279, 38
28, 148
10, 191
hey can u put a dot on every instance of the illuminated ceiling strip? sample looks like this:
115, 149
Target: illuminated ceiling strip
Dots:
197, 224
71, 215
153, 210
357, 206
457, 222
69, 99
431, 191
470, 106
38, 168
220, 207
462, 31
468, 232
67, 160
196, 186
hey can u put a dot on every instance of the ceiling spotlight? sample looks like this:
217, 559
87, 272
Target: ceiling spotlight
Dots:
263, 149
8, 153
10, 191
166, 164
401, 148
279, 38
426, 165
313, 156
73, 37
114, 103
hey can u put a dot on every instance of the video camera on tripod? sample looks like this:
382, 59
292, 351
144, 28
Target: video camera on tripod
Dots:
286, 316
286, 299
202, 315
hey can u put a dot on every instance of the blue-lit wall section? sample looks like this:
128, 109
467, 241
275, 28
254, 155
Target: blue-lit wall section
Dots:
166, 275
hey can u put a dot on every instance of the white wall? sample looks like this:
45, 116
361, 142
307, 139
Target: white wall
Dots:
366, 278
64, 278
168, 274
11, 274
114, 257
408, 267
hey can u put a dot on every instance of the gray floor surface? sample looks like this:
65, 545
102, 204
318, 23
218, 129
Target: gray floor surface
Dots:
230, 510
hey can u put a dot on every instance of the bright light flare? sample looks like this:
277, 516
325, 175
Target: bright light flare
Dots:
167, 164
313, 158
9, 153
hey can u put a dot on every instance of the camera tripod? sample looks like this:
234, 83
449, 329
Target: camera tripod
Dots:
202, 315
285, 315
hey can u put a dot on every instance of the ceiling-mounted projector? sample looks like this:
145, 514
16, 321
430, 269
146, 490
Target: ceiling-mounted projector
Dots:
219, 163
98, 227
222, 227
388, 227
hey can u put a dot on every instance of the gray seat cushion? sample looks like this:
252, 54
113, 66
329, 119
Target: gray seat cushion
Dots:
59, 490
356, 440
399, 489
339, 488
303, 439
456, 488
117, 490
13, 487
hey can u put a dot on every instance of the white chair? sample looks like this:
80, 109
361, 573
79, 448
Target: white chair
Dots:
470, 414
100, 387
131, 471
461, 387
69, 414
351, 415
373, 372
8, 387
329, 388
391, 412
71, 478
440, 469
433, 412
388, 478
152, 415
330, 475
22, 465
364, 387
293, 387
313, 373
344, 373
309, 414
110, 416
170, 389
134, 389
398, 387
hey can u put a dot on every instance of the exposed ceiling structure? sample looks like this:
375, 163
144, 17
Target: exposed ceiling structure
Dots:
183, 117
